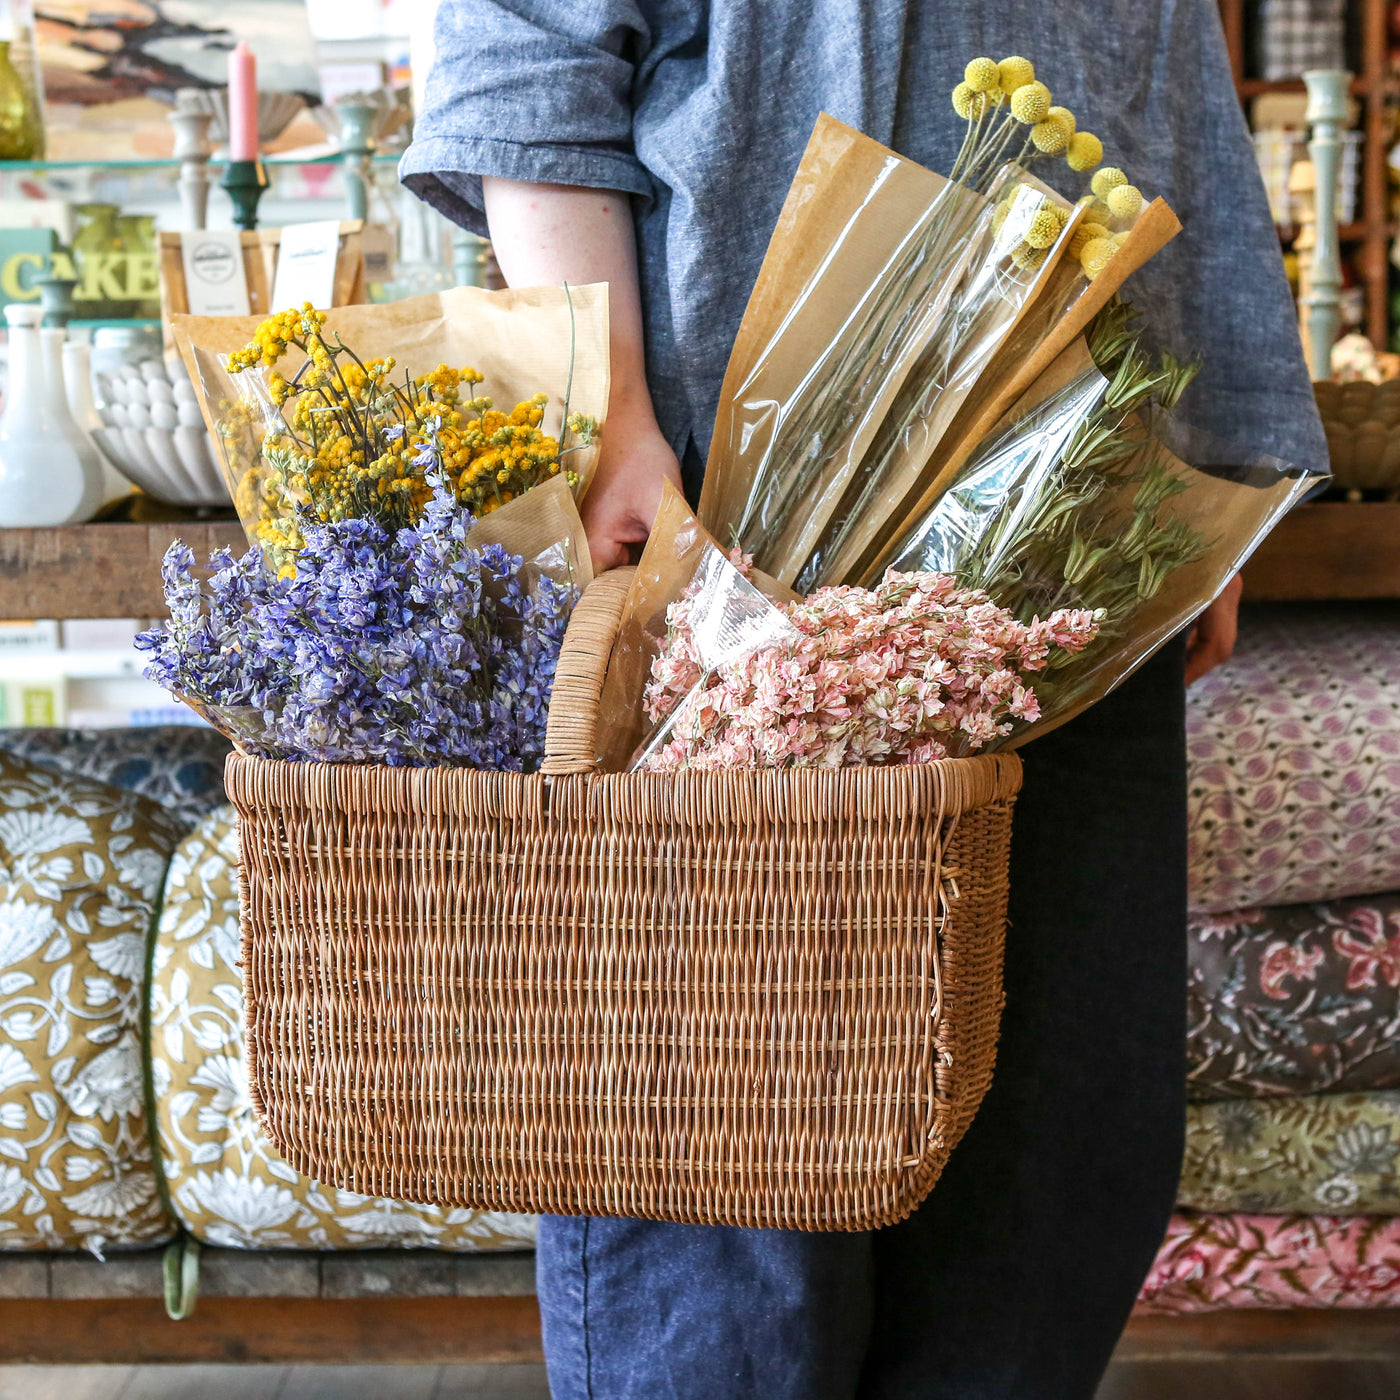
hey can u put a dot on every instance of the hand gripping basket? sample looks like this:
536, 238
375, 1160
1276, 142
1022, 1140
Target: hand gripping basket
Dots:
758, 998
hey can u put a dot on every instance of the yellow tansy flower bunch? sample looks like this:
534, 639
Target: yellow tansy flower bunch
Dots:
348, 439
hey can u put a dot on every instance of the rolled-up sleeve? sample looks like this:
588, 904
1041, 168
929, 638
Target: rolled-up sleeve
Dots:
536, 90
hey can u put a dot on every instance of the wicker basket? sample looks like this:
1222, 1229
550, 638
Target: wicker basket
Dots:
1363, 433
765, 999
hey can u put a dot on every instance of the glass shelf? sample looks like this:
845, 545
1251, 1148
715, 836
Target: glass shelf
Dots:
20, 167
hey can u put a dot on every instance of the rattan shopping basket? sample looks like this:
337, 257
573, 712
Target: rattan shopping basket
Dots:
757, 998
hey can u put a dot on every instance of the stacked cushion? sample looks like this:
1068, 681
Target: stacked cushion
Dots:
1295, 761
228, 1185
81, 868
181, 766
1289, 1190
1295, 999
1275, 1261
1328, 1152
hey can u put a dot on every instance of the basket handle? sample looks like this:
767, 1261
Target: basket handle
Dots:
570, 738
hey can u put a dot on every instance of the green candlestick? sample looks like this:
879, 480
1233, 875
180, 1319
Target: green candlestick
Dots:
245, 181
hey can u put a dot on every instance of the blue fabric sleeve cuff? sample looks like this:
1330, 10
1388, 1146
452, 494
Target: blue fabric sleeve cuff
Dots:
446, 171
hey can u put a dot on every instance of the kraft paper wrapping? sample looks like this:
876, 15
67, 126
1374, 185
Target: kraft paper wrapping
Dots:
848, 216
520, 339
870, 505
853, 214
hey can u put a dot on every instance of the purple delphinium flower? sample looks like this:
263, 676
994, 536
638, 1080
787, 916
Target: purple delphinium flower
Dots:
409, 648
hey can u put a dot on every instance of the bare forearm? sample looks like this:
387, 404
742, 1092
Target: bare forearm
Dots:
545, 235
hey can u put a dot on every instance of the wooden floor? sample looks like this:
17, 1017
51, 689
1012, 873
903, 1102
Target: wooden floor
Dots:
1129, 1380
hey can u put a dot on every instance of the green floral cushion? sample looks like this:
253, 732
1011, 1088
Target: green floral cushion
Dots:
81, 866
227, 1183
1336, 1154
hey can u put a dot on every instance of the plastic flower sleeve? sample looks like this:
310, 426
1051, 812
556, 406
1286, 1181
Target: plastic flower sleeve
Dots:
683, 580
1003, 280
1074, 506
852, 282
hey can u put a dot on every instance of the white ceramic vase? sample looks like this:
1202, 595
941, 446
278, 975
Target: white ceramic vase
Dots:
44, 479
77, 381
51, 342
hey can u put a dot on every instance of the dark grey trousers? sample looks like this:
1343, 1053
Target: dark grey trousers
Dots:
1014, 1279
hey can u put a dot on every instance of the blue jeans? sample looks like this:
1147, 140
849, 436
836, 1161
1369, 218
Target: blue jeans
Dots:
1014, 1279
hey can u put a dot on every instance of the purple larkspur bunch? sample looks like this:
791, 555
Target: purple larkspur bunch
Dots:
410, 648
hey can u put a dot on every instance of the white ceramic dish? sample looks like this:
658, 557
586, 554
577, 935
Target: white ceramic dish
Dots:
155, 434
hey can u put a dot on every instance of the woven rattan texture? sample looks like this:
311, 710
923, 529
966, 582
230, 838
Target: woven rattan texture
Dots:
765, 999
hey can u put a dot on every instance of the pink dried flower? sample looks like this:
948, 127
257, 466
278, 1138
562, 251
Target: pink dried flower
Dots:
914, 670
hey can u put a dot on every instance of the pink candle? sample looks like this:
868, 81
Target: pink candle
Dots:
242, 103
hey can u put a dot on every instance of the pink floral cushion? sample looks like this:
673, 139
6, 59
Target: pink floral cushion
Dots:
1295, 760
1275, 1261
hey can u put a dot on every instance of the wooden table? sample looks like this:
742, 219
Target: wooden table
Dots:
98, 570
1332, 551
416, 1306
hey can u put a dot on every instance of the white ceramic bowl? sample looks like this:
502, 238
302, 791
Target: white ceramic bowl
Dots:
174, 462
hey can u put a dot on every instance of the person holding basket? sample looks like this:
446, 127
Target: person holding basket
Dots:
649, 144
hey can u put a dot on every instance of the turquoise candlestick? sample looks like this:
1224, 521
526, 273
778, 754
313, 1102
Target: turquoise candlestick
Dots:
245, 181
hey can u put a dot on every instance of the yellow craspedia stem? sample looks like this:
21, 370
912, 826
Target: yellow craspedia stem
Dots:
981, 75
1045, 227
1096, 255
1108, 178
1030, 103
1125, 201
1050, 137
1065, 116
1085, 151
1014, 72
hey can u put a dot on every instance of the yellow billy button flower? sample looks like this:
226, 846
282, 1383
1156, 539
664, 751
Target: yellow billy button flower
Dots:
969, 105
1125, 201
1109, 178
1065, 117
981, 75
1029, 258
1086, 233
1045, 227
1014, 72
1085, 151
1096, 255
1050, 136
1030, 103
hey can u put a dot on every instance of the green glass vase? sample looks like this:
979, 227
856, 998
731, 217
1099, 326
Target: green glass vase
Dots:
19, 132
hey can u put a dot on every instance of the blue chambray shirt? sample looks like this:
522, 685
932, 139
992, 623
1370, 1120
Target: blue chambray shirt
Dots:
701, 109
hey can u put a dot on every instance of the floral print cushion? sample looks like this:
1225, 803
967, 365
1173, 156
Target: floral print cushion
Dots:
227, 1183
181, 766
1298, 999
1332, 1152
1294, 750
81, 867
1274, 1261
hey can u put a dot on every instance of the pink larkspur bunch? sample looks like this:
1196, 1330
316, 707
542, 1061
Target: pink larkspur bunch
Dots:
911, 671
